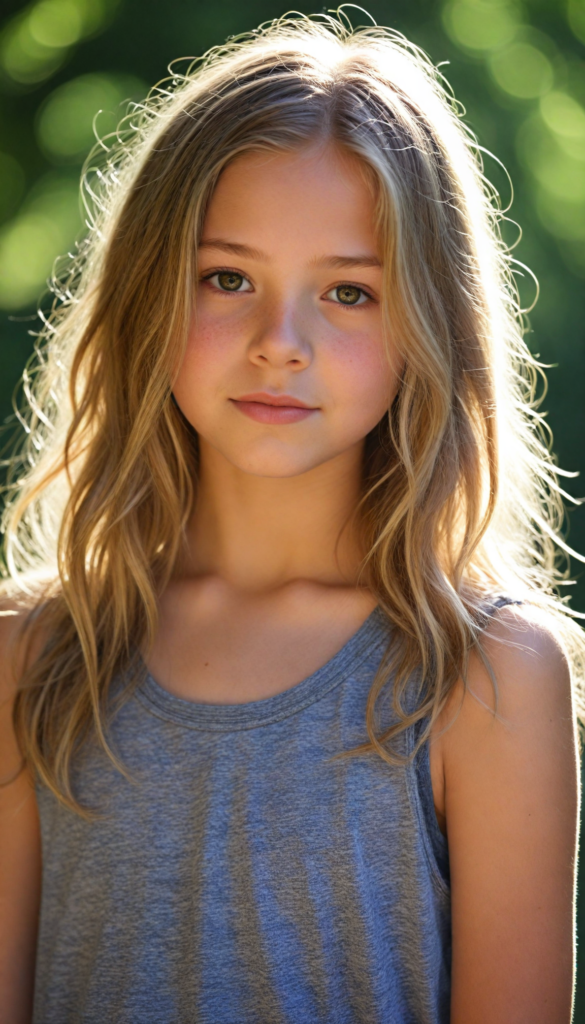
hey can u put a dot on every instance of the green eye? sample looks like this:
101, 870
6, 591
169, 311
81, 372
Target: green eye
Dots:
229, 281
348, 294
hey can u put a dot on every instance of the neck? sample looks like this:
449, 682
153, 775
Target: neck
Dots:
259, 533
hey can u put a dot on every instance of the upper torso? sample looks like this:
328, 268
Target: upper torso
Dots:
214, 646
243, 875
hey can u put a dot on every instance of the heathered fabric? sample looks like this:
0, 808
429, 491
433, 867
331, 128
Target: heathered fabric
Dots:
243, 877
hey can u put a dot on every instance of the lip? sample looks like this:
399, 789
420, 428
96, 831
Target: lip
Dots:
265, 398
266, 408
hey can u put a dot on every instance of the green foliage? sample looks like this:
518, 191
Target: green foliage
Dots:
74, 113
518, 67
37, 40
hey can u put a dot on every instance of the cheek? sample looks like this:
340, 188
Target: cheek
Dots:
208, 354
366, 380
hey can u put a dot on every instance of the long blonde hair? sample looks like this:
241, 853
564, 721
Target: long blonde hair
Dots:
460, 498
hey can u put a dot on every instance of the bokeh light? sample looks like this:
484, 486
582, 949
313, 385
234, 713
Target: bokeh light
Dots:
56, 23
576, 16
521, 70
526, 67
49, 220
565, 118
65, 121
46, 225
559, 176
23, 58
35, 42
481, 25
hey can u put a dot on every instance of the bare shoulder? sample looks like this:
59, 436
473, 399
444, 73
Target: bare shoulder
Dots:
510, 774
514, 709
521, 641
521, 676
13, 615
20, 850
20, 640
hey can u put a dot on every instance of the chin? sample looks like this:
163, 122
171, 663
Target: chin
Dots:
277, 464
275, 469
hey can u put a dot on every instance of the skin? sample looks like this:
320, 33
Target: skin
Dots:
20, 848
509, 795
264, 547
268, 587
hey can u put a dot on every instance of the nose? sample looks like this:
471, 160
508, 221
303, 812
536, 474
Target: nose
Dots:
281, 340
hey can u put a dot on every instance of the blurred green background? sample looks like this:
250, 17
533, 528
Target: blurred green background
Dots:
518, 68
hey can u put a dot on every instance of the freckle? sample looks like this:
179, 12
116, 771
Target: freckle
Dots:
205, 664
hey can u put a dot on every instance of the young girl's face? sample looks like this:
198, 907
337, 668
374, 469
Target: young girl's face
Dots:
285, 366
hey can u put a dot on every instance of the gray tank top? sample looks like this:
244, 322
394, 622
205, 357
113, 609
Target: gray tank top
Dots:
242, 876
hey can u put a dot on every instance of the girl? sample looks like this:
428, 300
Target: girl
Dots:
282, 656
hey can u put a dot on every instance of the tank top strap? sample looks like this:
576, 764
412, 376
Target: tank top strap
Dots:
500, 601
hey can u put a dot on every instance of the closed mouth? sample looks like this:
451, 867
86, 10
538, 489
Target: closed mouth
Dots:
263, 398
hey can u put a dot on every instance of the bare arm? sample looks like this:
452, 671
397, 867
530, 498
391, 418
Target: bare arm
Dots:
511, 805
20, 856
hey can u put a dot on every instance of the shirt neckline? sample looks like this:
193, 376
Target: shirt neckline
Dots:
371, 635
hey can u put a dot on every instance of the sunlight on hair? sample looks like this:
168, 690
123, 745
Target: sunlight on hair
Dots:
526, 65
461, 499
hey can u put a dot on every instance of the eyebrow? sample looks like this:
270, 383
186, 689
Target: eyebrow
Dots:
237, 249
233, 247
347, 261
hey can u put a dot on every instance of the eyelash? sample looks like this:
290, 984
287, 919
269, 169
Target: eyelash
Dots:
224, 270
349, 305
232, 270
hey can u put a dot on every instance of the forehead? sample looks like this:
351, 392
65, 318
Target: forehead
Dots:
313, 198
